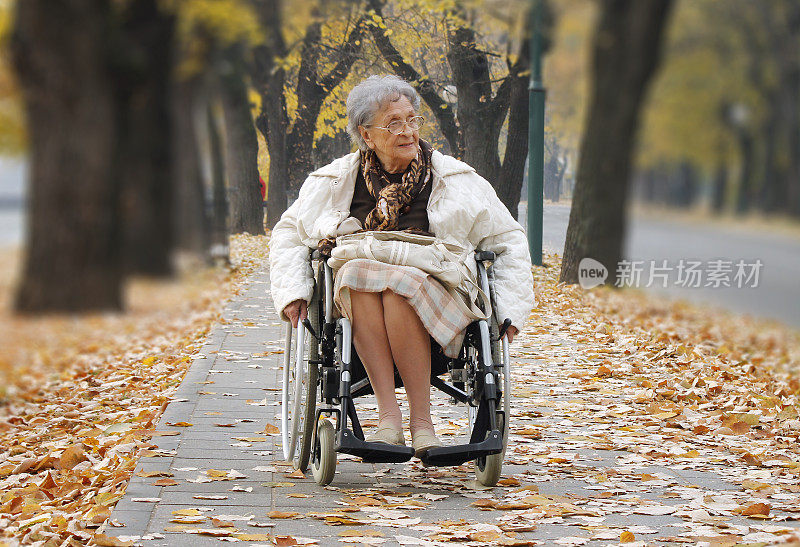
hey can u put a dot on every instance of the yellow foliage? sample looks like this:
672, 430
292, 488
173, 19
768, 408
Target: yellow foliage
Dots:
228, 21
12, 127
683, 119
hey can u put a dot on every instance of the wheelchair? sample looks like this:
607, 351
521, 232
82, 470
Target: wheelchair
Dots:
322, 376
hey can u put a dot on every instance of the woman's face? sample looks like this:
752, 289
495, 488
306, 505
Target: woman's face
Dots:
394, 151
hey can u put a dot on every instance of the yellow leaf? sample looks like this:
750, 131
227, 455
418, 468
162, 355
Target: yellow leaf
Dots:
110, 541
282, 514
187, 512
271, 430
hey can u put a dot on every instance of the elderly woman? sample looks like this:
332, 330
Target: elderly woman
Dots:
399, 314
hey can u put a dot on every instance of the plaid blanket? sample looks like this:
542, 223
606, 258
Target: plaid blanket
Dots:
436, 307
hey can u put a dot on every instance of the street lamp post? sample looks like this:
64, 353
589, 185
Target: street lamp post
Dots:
536, 138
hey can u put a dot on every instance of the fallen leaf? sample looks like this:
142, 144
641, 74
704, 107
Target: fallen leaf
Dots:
110, 541
282, 514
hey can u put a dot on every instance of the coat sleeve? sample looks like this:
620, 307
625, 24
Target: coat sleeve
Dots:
290, 273
496, 230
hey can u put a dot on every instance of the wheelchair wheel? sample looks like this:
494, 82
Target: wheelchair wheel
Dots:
311, 382
489, 468
323, 463
298, 396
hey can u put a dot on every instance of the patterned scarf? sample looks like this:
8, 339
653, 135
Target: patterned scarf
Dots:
392, 199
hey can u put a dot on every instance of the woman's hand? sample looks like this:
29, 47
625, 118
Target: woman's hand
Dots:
296, 311
511, 331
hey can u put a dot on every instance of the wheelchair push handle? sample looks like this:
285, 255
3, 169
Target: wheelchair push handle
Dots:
504, 328
309, 328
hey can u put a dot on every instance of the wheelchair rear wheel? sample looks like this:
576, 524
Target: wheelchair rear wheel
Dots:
311, 383
299, 392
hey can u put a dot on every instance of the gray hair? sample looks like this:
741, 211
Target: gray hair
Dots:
368, 97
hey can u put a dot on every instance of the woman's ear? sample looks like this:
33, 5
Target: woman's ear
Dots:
365, 136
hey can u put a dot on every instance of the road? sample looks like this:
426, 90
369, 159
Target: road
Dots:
776, 296
12, 184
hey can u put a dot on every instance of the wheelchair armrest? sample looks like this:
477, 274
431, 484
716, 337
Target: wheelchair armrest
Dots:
482, 256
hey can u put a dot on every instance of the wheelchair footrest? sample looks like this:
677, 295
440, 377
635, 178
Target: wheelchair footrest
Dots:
456, 455
348, 443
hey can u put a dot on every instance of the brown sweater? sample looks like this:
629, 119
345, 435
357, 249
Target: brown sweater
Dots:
415, 217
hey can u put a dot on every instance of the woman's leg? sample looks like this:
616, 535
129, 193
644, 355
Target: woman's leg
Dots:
411, 349
372, 345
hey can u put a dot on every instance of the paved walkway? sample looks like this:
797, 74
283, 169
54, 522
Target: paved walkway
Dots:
222, 475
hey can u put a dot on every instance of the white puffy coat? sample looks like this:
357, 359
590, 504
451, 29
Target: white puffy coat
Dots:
463, 208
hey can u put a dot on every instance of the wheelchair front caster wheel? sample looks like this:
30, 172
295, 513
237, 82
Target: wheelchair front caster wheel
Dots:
489, 468
323, 464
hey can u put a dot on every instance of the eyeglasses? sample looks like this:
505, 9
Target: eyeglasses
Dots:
398, 126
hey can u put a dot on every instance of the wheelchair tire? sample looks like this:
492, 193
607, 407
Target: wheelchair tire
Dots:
295, 391
489, 468
323, 464
312, 380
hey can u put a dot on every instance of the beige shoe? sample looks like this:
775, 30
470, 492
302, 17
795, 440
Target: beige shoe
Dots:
387, 434
422, 440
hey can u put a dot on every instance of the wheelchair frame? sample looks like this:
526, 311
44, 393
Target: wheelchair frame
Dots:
318, 387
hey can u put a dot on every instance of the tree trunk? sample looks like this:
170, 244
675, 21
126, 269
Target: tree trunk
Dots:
478, 115
442, 111
220, 248
272, 121
312, 89
770, 195
142, 74
626, 51
509, 185
72, 258
328, 148
744, 187
241, 147
719, 188
190, 217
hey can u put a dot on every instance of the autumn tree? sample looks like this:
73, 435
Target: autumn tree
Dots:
626, 52
218, 38
292, 94
12, 127
486, 101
